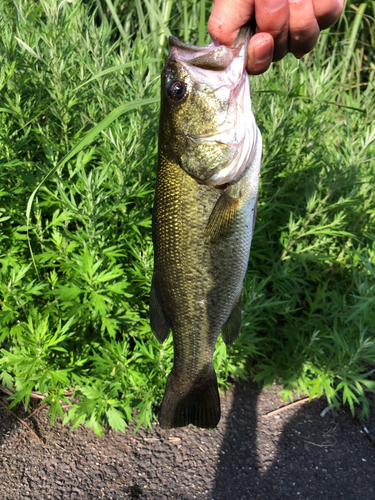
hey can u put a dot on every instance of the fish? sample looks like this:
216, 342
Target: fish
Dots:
209, 159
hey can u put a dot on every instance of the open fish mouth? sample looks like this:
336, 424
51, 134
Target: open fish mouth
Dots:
212, 57
200, 62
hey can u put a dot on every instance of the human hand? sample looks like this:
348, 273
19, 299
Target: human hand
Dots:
282, 26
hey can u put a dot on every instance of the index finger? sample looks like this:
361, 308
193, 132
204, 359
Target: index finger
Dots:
227, 17
272, 16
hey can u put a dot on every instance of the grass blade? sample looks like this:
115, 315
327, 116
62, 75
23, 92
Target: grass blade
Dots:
353, 38
186, 22
202, 23
117, 68
116, 19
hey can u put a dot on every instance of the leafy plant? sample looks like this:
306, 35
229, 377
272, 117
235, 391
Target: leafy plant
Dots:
78, 126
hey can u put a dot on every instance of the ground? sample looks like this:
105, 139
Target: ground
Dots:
293, 454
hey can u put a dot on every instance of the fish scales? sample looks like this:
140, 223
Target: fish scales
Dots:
202, 234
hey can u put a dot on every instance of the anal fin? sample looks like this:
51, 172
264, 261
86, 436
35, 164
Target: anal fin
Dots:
158, 321
231, 329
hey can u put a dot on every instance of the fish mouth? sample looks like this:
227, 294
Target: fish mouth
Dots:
191, 51
213, 57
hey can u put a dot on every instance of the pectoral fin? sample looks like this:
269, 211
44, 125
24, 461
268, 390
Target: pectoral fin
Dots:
158, 321
222, 221
231, 330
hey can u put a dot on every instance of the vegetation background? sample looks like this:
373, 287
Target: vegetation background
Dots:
79, 83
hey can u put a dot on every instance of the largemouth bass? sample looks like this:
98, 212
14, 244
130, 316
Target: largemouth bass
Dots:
203, 219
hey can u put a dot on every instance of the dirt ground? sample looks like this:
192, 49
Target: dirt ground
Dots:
293, 454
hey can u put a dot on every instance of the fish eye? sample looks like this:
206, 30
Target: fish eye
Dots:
177, 90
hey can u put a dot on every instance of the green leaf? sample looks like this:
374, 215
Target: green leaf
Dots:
116, 419
6, 110
67, 293
25, 392
6, 379
111, 326
91, 392
55, 409
118, 287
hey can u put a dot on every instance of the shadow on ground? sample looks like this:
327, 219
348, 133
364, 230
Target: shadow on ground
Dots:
294, 454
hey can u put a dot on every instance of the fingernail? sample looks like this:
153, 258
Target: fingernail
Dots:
272, 5
263, 52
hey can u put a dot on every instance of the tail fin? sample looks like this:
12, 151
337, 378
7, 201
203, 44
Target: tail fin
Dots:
194, 402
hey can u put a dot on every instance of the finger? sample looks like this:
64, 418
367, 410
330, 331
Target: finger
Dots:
327, 12
272, 16
227, 17
303, 27
260, 52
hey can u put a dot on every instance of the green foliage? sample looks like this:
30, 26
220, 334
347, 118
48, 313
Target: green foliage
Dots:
78, 126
